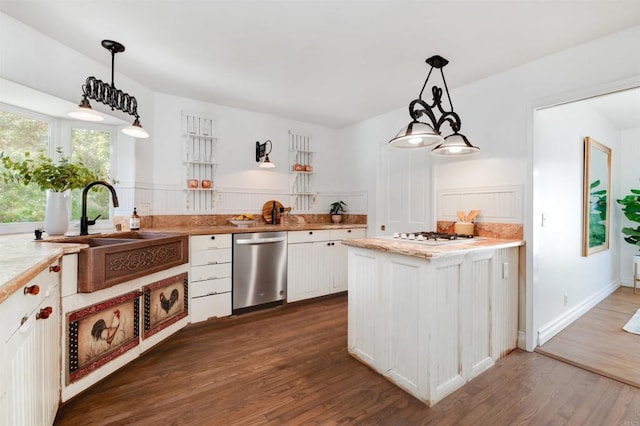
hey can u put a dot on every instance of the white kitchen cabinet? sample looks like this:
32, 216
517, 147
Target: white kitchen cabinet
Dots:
30, 372
317, 262
210, 277
431, 325
340, 279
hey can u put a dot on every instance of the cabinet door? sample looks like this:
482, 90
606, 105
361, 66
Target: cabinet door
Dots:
33, 361
309, 271
339, 255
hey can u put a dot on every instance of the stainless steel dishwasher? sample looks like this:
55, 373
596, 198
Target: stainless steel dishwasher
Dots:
259, 270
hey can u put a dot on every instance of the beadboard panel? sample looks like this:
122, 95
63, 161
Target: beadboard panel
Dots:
501, 204
176, 200
504, 311
366, 289
404, 325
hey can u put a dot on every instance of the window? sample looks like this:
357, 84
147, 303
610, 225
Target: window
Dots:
93, 147
22, 207
18, 134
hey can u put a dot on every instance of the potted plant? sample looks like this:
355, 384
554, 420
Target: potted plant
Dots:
631, 210
337, 209
54, 178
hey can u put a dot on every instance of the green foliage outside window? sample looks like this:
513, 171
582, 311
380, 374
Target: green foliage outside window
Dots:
18, 134
29, 172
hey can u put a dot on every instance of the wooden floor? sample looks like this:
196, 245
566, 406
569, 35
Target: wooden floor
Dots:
290, 366
597, 342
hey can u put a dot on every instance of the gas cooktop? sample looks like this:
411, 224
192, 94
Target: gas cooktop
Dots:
432, 238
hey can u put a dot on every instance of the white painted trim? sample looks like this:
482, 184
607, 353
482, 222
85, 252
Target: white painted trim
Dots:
552, 328
522, 340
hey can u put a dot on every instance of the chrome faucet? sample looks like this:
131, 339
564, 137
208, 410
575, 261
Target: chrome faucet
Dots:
84, 220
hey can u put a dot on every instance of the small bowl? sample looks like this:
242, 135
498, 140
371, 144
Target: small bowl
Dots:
205, 184
192, 183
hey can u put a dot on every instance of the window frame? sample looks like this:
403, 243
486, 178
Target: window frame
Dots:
60, 136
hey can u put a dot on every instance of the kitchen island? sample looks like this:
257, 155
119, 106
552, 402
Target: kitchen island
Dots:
431, 318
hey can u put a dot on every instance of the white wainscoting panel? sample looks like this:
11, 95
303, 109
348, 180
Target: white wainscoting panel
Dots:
501, 204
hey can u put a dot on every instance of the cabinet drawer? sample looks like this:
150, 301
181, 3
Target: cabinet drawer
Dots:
203, 308
210, 287
308, 236
210, 257
205, 242
345, 234
210, 272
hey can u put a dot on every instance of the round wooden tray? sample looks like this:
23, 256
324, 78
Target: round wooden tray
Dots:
266, 210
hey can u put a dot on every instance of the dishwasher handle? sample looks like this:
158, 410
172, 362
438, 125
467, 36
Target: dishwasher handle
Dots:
256, 241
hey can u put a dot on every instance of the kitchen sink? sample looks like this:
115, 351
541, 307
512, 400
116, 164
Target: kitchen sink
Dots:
115, 258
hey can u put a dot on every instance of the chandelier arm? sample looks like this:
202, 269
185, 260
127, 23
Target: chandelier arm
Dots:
452, 118
111, 96
426, 110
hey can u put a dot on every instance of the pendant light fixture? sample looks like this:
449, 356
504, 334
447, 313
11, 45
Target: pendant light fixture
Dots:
109, 95
262, 155
419, 134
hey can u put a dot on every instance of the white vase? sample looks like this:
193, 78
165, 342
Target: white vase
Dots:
56, 215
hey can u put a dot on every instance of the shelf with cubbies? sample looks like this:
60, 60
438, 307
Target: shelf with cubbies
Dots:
301, 160
200, 162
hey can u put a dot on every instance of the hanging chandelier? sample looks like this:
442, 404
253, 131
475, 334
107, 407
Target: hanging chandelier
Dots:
109, 95
419, 134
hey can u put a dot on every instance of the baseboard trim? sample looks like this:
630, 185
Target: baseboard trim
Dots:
522, 340
552, 328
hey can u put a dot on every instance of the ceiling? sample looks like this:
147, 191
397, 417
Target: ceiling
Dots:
333, 63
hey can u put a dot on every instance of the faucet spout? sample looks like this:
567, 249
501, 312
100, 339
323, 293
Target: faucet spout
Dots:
84, 220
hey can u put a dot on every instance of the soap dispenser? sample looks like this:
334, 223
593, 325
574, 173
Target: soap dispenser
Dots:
134, 222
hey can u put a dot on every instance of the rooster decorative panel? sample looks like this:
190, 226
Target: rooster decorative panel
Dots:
165, 302
102, 332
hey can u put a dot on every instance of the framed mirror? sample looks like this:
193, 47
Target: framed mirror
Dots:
596, 196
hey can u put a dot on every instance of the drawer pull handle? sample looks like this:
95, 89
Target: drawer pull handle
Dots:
215, 262
44, 313
213, 237
349, 231
54, 268
212, 294
211, 278
34, 289
310, 232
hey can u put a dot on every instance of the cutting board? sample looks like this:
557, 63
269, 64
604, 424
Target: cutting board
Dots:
266, 210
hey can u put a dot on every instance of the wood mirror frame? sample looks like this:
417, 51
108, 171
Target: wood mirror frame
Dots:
596, 197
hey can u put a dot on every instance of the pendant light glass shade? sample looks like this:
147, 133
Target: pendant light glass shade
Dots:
136, 130
416, 135
455, 144
267, 164
84, 112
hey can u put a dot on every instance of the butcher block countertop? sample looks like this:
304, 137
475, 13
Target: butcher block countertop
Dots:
22, 258
429, 251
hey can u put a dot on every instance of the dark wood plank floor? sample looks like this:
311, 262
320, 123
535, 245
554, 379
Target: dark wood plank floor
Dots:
597, 342
290, 366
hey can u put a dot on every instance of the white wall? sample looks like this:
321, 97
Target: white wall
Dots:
629, 178
151, 171
497, 116
237, 172
560, 270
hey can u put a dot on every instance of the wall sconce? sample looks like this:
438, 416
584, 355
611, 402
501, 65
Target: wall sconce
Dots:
418, 134
263, 155
109, 95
